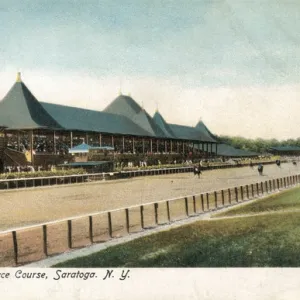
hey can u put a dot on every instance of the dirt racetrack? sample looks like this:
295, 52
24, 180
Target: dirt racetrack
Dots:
38, 205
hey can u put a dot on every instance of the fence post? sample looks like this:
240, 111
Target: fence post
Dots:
194, 204
236, 194
284, 182
247, 191
186, 206
127, 219
252, 190
278, 184
70, 234
229, 196
262, 188
91, 229
216, 199
15, 242
257, 189
242, 193
168, 211
202, 202
266, 185
207, 200
45, 249
156, 213
109, 224
223, 198
142, 216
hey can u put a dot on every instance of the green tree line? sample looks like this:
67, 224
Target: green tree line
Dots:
257, 145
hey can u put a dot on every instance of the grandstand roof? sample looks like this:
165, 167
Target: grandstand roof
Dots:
20, 109
73, 118
190, 133
164, 126
228, 150
126, 106
285, 149
202, 127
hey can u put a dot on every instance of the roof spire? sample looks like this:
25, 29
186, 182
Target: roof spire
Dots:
156, 106
19, 77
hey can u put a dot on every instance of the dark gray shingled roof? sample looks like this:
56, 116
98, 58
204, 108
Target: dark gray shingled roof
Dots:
73, 118
202, 127
190, 133
164, 126
286, 148
126, 106
20, 109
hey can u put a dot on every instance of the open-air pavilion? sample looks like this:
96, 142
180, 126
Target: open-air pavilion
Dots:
44, 129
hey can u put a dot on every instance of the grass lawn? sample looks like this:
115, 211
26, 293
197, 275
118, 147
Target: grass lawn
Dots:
265, 241
287, 200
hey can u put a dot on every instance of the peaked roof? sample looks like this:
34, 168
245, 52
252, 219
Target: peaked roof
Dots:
84, 148
73, 118
190, 133
126, 106
202, 127
164, 126
20, 109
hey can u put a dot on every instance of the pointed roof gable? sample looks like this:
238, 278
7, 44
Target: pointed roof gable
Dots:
164, 126
126, 106
20, 109
202, 127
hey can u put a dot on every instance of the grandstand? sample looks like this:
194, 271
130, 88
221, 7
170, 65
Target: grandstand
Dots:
40, 133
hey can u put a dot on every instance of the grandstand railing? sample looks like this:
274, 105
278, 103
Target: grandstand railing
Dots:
32, 243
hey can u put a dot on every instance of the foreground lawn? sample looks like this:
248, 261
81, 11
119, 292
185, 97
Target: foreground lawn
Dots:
287, 200
265, 241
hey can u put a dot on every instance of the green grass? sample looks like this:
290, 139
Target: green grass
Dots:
266, 241
286, 200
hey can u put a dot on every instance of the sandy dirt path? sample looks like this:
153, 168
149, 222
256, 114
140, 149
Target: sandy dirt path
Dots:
32, 206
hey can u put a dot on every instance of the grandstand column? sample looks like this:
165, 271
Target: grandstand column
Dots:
177, 146
210, 149
171, 146
216, 149
123, 143
100, 140
31, 145
18, 136
143, 145
133, 145
156, 146
86, 138
151, 146
71, 140
54, 143
183, 146
166, 147
112, 141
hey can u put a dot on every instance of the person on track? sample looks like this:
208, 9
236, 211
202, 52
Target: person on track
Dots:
260, 169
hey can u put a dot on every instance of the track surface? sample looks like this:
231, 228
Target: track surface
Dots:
31, 206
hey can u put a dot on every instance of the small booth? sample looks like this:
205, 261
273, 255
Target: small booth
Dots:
83, 152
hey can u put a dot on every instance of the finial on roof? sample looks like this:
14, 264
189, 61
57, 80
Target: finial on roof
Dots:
156, 107
19, 77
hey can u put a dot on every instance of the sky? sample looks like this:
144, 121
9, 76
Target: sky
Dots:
235, 64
